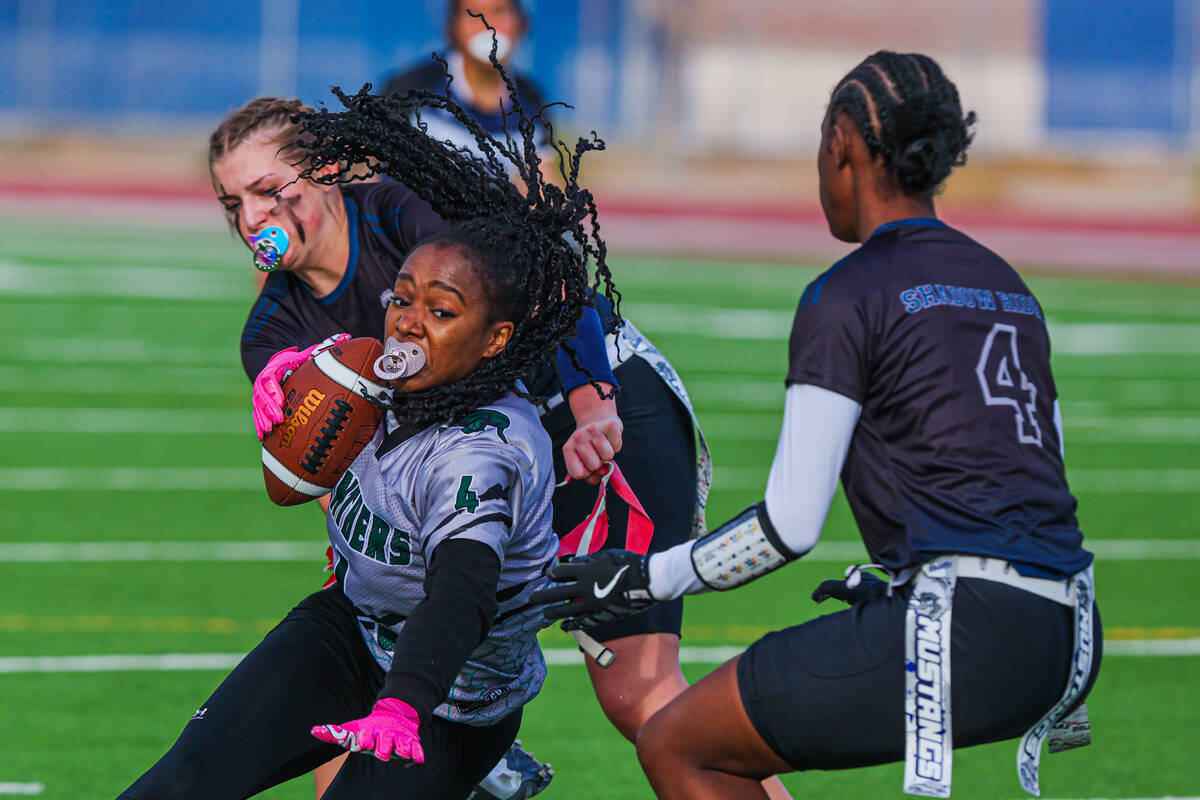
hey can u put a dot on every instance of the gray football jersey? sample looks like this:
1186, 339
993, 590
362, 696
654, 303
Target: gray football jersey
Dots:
488, 477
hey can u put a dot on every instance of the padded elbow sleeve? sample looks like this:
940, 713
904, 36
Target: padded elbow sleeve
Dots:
744, 548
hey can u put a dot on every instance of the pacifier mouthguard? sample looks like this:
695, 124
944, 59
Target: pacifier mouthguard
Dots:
269, 246
399, 360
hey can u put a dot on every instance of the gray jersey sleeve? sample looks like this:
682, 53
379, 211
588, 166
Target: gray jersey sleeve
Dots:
470, 493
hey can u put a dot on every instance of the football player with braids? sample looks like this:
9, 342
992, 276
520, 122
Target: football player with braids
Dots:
659, 453
420, 657
920, 373
330, 249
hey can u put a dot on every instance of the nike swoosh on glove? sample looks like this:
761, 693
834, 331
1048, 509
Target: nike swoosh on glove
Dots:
597, 588
390, 731
267, 399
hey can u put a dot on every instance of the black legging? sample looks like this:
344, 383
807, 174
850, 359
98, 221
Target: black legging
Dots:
313, 668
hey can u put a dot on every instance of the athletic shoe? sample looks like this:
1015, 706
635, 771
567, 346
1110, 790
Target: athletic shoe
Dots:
518, 776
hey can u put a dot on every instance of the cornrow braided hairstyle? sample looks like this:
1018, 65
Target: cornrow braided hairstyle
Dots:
531, 241
909, 115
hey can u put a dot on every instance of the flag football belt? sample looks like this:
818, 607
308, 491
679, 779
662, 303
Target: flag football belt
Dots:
928, 749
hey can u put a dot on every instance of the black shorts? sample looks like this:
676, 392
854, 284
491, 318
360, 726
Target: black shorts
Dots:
658, 458
313, 668
829, 694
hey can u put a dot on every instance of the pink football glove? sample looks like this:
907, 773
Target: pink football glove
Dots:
391, 730
268, 396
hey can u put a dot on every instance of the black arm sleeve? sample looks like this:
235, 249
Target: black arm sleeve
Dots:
442, 631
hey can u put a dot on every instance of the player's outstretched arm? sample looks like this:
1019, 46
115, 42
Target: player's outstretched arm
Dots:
612, 584
817, 428
582, 367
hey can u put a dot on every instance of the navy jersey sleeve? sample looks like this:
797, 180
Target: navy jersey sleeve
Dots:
391, 209
830, 342
591, 351
272, 326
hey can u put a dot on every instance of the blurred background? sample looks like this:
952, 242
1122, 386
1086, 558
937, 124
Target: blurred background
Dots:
1089, 113
142, 559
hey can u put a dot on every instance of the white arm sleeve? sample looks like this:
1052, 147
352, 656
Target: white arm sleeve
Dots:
818, 425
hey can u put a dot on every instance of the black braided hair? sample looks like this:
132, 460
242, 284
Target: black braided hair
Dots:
530, 241
909, 114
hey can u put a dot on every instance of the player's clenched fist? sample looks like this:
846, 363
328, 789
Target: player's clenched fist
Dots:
267, 399
598, 588
591, 446
390, 731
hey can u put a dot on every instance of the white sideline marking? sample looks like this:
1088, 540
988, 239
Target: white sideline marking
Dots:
131, 479
555, 656
22, 788
143, 378
717, 425
116, 350
824, 552
158, 421
169, 662
202, 479
62, 552
160, 283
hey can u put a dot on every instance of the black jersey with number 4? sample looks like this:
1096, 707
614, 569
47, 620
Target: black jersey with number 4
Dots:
386, 220
946, 350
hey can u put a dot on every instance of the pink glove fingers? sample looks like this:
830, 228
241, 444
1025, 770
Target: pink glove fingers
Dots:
267, 397
391, 730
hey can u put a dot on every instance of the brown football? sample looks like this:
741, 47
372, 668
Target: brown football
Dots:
327, 420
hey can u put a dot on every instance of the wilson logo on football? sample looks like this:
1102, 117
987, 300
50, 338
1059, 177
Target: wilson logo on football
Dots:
300, 417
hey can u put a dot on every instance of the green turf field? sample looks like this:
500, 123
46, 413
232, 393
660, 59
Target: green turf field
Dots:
124, 418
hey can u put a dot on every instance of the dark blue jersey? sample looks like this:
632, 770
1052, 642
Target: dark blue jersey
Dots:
946, 350
386, 221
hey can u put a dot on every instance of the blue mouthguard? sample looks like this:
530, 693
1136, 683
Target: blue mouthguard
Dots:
269, 246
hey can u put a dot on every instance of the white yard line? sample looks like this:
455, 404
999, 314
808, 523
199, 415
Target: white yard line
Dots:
61, 552
28, 789
250, 551
158, 421
556, 656
148, 282
131, 479
717, 425
130, 378
118, 349
1084, 428
1111, 481
751, 324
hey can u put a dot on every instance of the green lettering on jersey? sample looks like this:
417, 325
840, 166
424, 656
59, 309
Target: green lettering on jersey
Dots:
340, 492
377, 539
348, 505
466, 498
399, 553
358, 532
481, 420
